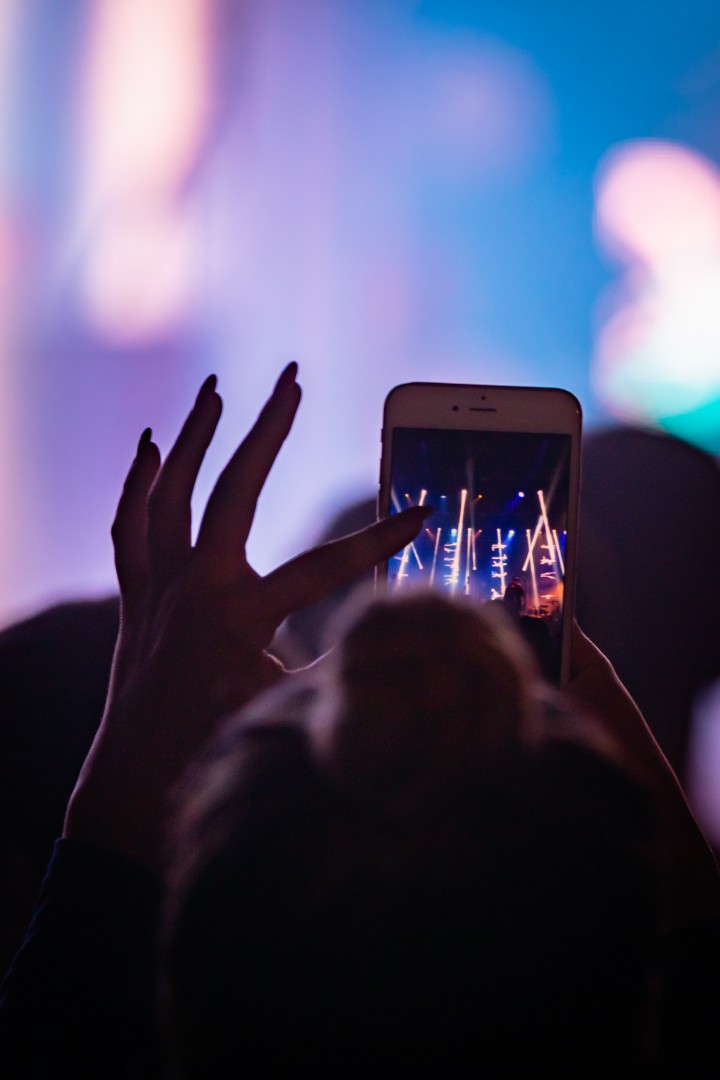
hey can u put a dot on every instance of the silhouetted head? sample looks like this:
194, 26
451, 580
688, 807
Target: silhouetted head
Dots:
419, 688
648, 593
398, 866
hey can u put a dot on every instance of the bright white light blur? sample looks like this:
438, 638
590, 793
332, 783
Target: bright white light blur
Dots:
657, 352
455, 568
531, 544
499, 563
659, 355
145, 106
146, 93
468, 559
139, 277
546, 525
531, 562
657, 201
435, 555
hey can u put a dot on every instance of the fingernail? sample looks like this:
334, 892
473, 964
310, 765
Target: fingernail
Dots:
287, 376
207, 388
144, 439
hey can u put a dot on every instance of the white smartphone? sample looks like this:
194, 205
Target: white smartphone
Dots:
501, 467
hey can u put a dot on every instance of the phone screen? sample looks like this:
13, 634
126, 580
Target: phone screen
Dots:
499, 528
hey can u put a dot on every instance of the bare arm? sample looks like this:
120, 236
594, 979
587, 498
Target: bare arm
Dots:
691, 870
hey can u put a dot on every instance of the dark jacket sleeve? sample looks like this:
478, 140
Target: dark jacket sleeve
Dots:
79, 996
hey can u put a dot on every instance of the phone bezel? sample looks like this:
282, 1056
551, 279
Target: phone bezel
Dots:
478, 407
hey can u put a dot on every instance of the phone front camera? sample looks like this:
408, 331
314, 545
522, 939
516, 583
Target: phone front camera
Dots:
455, 408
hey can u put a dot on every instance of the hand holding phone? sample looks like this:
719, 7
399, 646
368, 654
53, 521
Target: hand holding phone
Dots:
500, 465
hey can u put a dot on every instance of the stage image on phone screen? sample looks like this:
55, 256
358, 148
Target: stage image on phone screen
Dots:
498, 531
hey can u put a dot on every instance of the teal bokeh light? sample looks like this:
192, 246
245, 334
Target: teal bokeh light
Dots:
701, 426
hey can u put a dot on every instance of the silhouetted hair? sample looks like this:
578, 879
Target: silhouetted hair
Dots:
400, 867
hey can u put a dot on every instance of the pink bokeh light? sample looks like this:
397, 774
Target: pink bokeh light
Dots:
657, 349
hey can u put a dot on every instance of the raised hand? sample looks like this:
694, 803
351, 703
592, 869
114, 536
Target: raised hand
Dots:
196, 620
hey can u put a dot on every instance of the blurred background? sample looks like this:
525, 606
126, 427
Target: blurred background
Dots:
383, 190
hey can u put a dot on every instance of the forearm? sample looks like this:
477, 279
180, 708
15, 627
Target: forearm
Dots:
80, 994
691, 870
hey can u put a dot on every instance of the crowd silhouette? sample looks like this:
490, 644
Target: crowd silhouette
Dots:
414, 855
